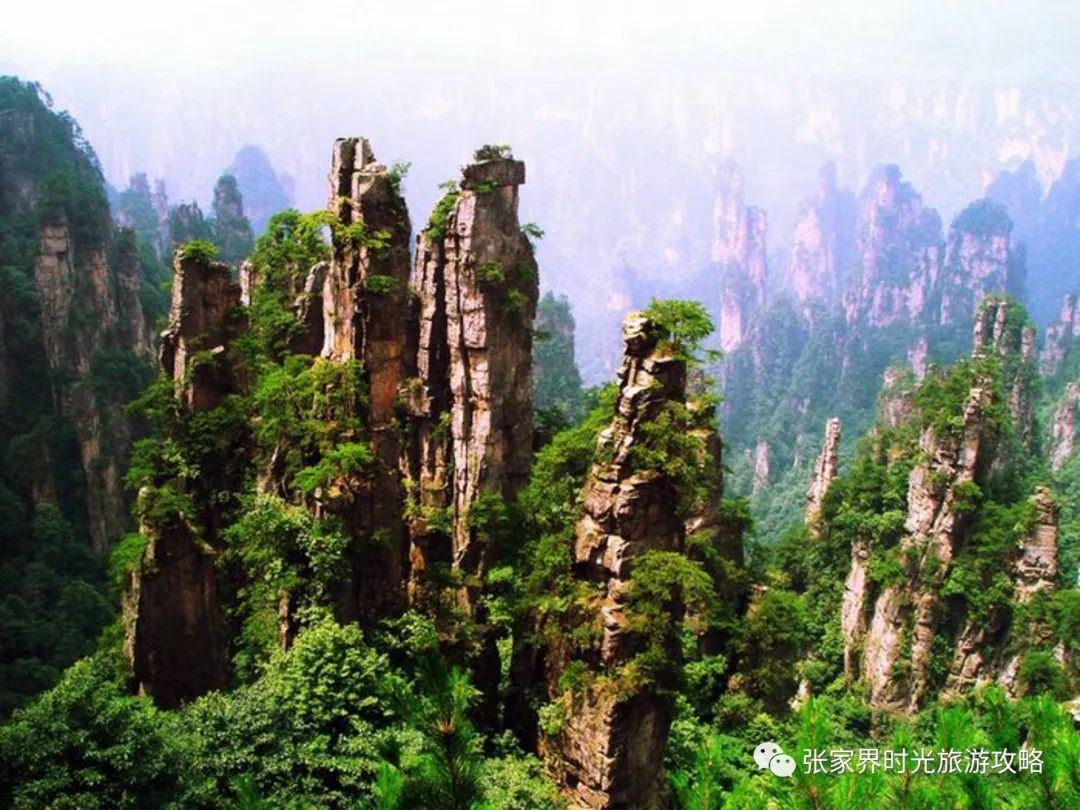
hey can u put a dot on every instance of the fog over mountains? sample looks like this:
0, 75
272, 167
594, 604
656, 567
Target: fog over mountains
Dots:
626, 120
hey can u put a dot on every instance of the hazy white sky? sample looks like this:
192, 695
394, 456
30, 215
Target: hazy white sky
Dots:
874, 35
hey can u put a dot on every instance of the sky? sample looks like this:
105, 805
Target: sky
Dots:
885, 36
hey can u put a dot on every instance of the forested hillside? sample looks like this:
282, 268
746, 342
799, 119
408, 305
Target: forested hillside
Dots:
361, 538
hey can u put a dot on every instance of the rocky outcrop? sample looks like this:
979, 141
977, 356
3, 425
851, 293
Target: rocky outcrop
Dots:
18, 131
896, 403
175, 639
761, 465
1001, 328
980, 258
609, 752
1063, 427
824, 472
90, 308
1034, 571
364, 300
204, 318
823, 242
265, 191
899, 639
1060, 336
145, 211
899, 254
738, 249
469, 390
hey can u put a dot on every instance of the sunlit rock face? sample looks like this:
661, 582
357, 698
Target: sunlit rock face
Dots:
609, 752
469, 386
364, 299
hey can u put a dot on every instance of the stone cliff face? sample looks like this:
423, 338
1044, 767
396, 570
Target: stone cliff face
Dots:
175, 638
905, 614
1034, 571
83, 319
90, 306
609, 752
1035, 574
364, 304
738, 249
822, 243
1063, 428
470, 385
824, 471
202, 322
899, 253
1014, 344
980, 258
1060, 335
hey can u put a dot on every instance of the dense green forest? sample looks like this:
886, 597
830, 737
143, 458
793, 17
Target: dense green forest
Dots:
315, 605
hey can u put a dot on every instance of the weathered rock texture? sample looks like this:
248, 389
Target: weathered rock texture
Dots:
978, 657
1063, 428
738, 249
90, 306
822, 244
470, 385
1013, 341
905, 614
896, 403
980, 258
761, 465
364, 298
174, 628
609, 752
899, 253
175, 639
1036, 572
824, 471
1060, 335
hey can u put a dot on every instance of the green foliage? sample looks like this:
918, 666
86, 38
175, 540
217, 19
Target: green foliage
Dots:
199, 250
1040, 673
775, 638
397, 172
493, 151
558, 395
662, 585
125, 557
86, 743
381, 285
532, 232
684, 325
445, 774
344, 463
490, 273
53, 607
673, 447
439, 222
